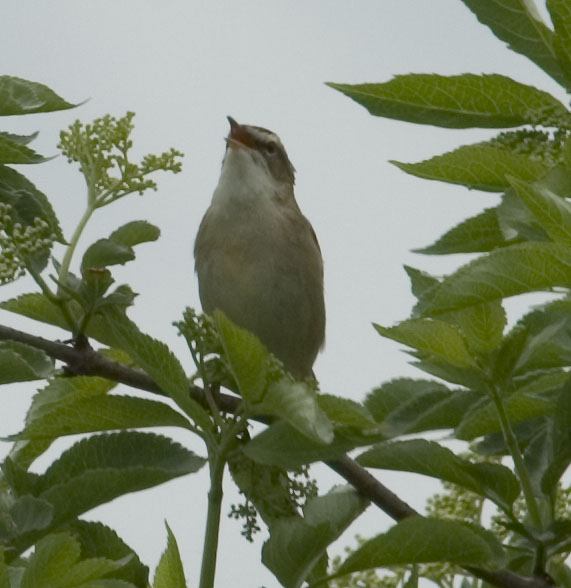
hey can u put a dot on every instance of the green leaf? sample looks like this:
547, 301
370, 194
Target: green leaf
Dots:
431, 336
97, 540
516, 221
552, 212
482, 326
27, 202
135, 232
540, 340
433, 407
102, 413
382, 401
19, 139
284, 446
420, 282
52, 557
561, 440
561, 17
521, 268
531, 400
247, 356
170, 573
56, 564
407, 543
468, 100
22, 363
29, 513
37, 307
478, 167
346, 412
158, 361
100, 468
106, 252
13, 152
296, 403
18, 96
521, 27
477, 234
296, 545
492, 481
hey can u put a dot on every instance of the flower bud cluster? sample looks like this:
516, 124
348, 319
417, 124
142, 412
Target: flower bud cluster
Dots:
101, 148
18, 243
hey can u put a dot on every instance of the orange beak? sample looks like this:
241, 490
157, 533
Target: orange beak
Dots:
238, 138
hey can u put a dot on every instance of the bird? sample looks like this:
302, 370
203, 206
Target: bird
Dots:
257, 257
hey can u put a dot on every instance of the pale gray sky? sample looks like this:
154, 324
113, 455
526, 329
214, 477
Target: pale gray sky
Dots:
182, 66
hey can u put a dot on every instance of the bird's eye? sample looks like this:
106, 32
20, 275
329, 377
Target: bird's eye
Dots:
270, 149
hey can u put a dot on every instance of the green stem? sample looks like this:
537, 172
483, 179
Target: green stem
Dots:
210, 549
517, 457
65, 264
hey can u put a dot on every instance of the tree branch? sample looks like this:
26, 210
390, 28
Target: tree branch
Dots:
82, 360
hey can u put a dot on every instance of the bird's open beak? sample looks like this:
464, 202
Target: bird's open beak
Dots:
238, 138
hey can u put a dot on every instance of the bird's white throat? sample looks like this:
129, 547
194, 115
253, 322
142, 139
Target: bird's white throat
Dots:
244, 179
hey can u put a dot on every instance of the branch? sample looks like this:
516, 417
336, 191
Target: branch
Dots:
82, 360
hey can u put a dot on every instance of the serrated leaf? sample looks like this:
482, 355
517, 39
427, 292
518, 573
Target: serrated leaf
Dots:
29, 513
135, 232
382, 401
560, 13
482, 326
434, 409
16, 153
56, 564
100, 468
296, 545
247, 356
106, 252
492, 481
97, 540
296, 403
478, 167
407, 543
463, 101
22, 363
346, 412
516, 221
88, 573
37, 307
506, 272
158, 361
431, 336
471, 378
479, 233
560, 439
27, 202
170, 573
420, 282
530, 401
521, 27
18, 96
540, 340
284, 446
19, 139
52, 557
102, 413
552, 212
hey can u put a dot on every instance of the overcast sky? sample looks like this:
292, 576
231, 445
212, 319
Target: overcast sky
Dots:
183, 66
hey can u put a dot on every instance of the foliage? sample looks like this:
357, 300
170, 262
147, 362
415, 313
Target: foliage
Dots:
505, 390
